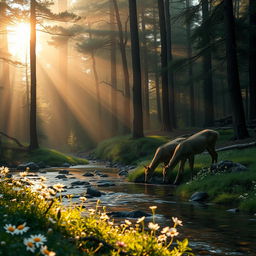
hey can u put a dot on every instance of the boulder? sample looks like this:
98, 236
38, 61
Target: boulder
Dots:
132, 214
234, 210
123, 173
93, 192
64, 172
61, 176
238, 168
88, 174
41, 164
80, 183
31, 165
105, 184
199, 196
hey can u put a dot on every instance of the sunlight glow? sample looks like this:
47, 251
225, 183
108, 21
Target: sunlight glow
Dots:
18, 38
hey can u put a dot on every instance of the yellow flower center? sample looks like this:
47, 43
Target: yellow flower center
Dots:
20, 227
30, 244
11, 229
37, 239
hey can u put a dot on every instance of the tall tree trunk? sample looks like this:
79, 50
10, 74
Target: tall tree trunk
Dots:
207, 70
137, 130
169, 61
252, 60
164, 73
158, 100
190, 70
233, 74
127, 94
145, 68
33, 105
114, 121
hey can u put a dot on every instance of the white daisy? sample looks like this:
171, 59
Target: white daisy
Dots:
30, 246
22, 229
38, 239
153, 226
11, 229
177, 221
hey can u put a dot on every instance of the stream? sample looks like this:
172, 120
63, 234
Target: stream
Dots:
211, 230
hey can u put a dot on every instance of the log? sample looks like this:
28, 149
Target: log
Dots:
13, 139
237, 146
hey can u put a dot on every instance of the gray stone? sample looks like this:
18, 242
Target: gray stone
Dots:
238, 168
123, 173
234, 210
80, 183
199, 196
105, 184
31, 165
61, 176
63, 172
88, 174
93, 192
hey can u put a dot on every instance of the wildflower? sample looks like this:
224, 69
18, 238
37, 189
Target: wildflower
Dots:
30, 246
52, 192
91, 211
177, 221
58, 187
82, 198
44, 250
127, 222
11, 229
141, 219
152, 207
104, 216
165, 230
172, 232
38, 239
51, 220
22, 229
42, 178
153, 226
4, 170
161, 238
23, 174
120, 244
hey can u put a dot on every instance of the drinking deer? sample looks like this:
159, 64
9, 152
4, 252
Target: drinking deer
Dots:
162, 155
187, 149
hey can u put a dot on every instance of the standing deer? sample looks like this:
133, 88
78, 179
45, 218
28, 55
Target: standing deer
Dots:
193, 145
162, 155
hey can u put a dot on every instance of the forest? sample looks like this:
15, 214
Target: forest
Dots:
116, 93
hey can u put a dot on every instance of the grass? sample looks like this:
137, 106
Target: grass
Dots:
124, 149
71, 229
13, 154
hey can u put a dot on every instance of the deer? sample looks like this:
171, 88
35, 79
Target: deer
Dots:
187, 149
162, 155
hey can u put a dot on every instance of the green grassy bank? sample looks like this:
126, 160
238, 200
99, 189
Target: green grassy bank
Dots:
34, 222
11, 154
231, 189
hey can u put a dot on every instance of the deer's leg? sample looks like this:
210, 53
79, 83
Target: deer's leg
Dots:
180, 171
191, 161
213, 154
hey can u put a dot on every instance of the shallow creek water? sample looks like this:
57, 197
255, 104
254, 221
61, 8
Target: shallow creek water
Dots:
211, 230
